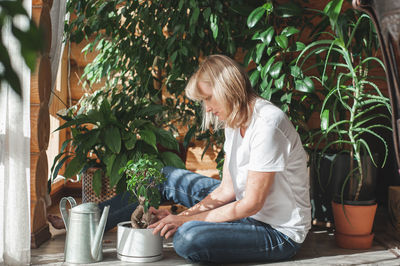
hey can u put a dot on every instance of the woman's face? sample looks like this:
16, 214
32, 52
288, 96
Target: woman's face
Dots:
209, 101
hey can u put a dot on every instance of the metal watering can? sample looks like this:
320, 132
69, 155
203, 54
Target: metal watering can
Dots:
85, 229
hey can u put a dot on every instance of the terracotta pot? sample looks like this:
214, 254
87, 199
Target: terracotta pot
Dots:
138, 245
353, 225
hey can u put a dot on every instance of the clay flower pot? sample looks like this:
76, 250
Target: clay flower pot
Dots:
138, 245
353, 225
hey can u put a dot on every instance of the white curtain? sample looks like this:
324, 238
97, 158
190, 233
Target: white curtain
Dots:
58, 17
15, 160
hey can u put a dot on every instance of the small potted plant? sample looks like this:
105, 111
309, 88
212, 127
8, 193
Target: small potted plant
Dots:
135, 242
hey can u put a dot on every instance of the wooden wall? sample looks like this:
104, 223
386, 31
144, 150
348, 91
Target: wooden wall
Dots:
43, 108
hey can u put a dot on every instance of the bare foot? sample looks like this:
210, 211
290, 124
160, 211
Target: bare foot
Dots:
56, 222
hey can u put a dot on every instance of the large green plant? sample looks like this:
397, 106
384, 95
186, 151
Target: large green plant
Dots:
29, 38
276, 33
143, 44
109, 128
354, 109
147, 45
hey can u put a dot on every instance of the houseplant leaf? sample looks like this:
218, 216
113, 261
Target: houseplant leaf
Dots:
73, 167
97, 181
166, 139
276, 69
113, 139
149, 137
255, 16
170, 158
120, 161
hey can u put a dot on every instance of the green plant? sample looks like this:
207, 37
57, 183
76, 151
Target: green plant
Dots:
276, 33
29, 38
109, 128
150, 48
143, 178
353, 109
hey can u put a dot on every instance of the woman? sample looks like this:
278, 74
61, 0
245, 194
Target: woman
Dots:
260, 211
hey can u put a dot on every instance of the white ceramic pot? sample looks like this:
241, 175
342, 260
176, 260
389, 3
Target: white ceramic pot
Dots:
138, 245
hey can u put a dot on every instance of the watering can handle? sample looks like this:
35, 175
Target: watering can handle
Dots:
63, 209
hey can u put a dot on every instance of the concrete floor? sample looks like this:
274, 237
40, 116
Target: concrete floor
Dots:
318, 249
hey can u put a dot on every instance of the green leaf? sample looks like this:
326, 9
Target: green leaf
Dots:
267, 93
180, 5
109, 161
267, 67
96, 182
289, 31
286, 98
254, 77
309, 84
166, 139
214, 25
58, 167
255, 16
300, 85
325, 120
78, 120
113, 139
95, 115
73, 168
120, 161
195, 16
295, 71
280, 82
276, 70
189, 135
265, 36
105, 108
332, 10
282, 41
300, 46
207, 13
171, 159
130, 142
259, 52
149, 137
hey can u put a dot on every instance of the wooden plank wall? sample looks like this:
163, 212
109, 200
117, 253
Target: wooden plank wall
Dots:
40, 127
43, 106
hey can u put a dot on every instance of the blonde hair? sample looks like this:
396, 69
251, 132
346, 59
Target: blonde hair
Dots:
231, 87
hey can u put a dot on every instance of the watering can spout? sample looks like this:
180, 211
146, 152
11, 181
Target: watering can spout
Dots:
98, 238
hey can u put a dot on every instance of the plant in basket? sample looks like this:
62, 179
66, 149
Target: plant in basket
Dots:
109, 128
135, 242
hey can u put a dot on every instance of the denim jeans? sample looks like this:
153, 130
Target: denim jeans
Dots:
244, 240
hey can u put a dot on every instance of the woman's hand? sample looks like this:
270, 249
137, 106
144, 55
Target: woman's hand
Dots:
158, 214
168, 225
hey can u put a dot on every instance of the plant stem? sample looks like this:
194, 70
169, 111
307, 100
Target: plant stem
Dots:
355, 150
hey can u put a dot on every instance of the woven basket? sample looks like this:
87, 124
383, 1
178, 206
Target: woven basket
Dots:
88, 195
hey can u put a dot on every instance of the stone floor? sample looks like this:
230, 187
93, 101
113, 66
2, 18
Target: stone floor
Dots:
318, 249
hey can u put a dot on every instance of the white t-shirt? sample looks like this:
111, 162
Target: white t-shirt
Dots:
271, 144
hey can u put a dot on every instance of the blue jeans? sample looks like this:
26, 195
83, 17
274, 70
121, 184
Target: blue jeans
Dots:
244, 240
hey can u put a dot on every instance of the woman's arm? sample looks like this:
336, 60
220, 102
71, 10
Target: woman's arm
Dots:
257, 188
222, 195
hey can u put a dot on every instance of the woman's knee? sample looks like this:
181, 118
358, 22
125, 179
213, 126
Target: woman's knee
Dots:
188, 241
